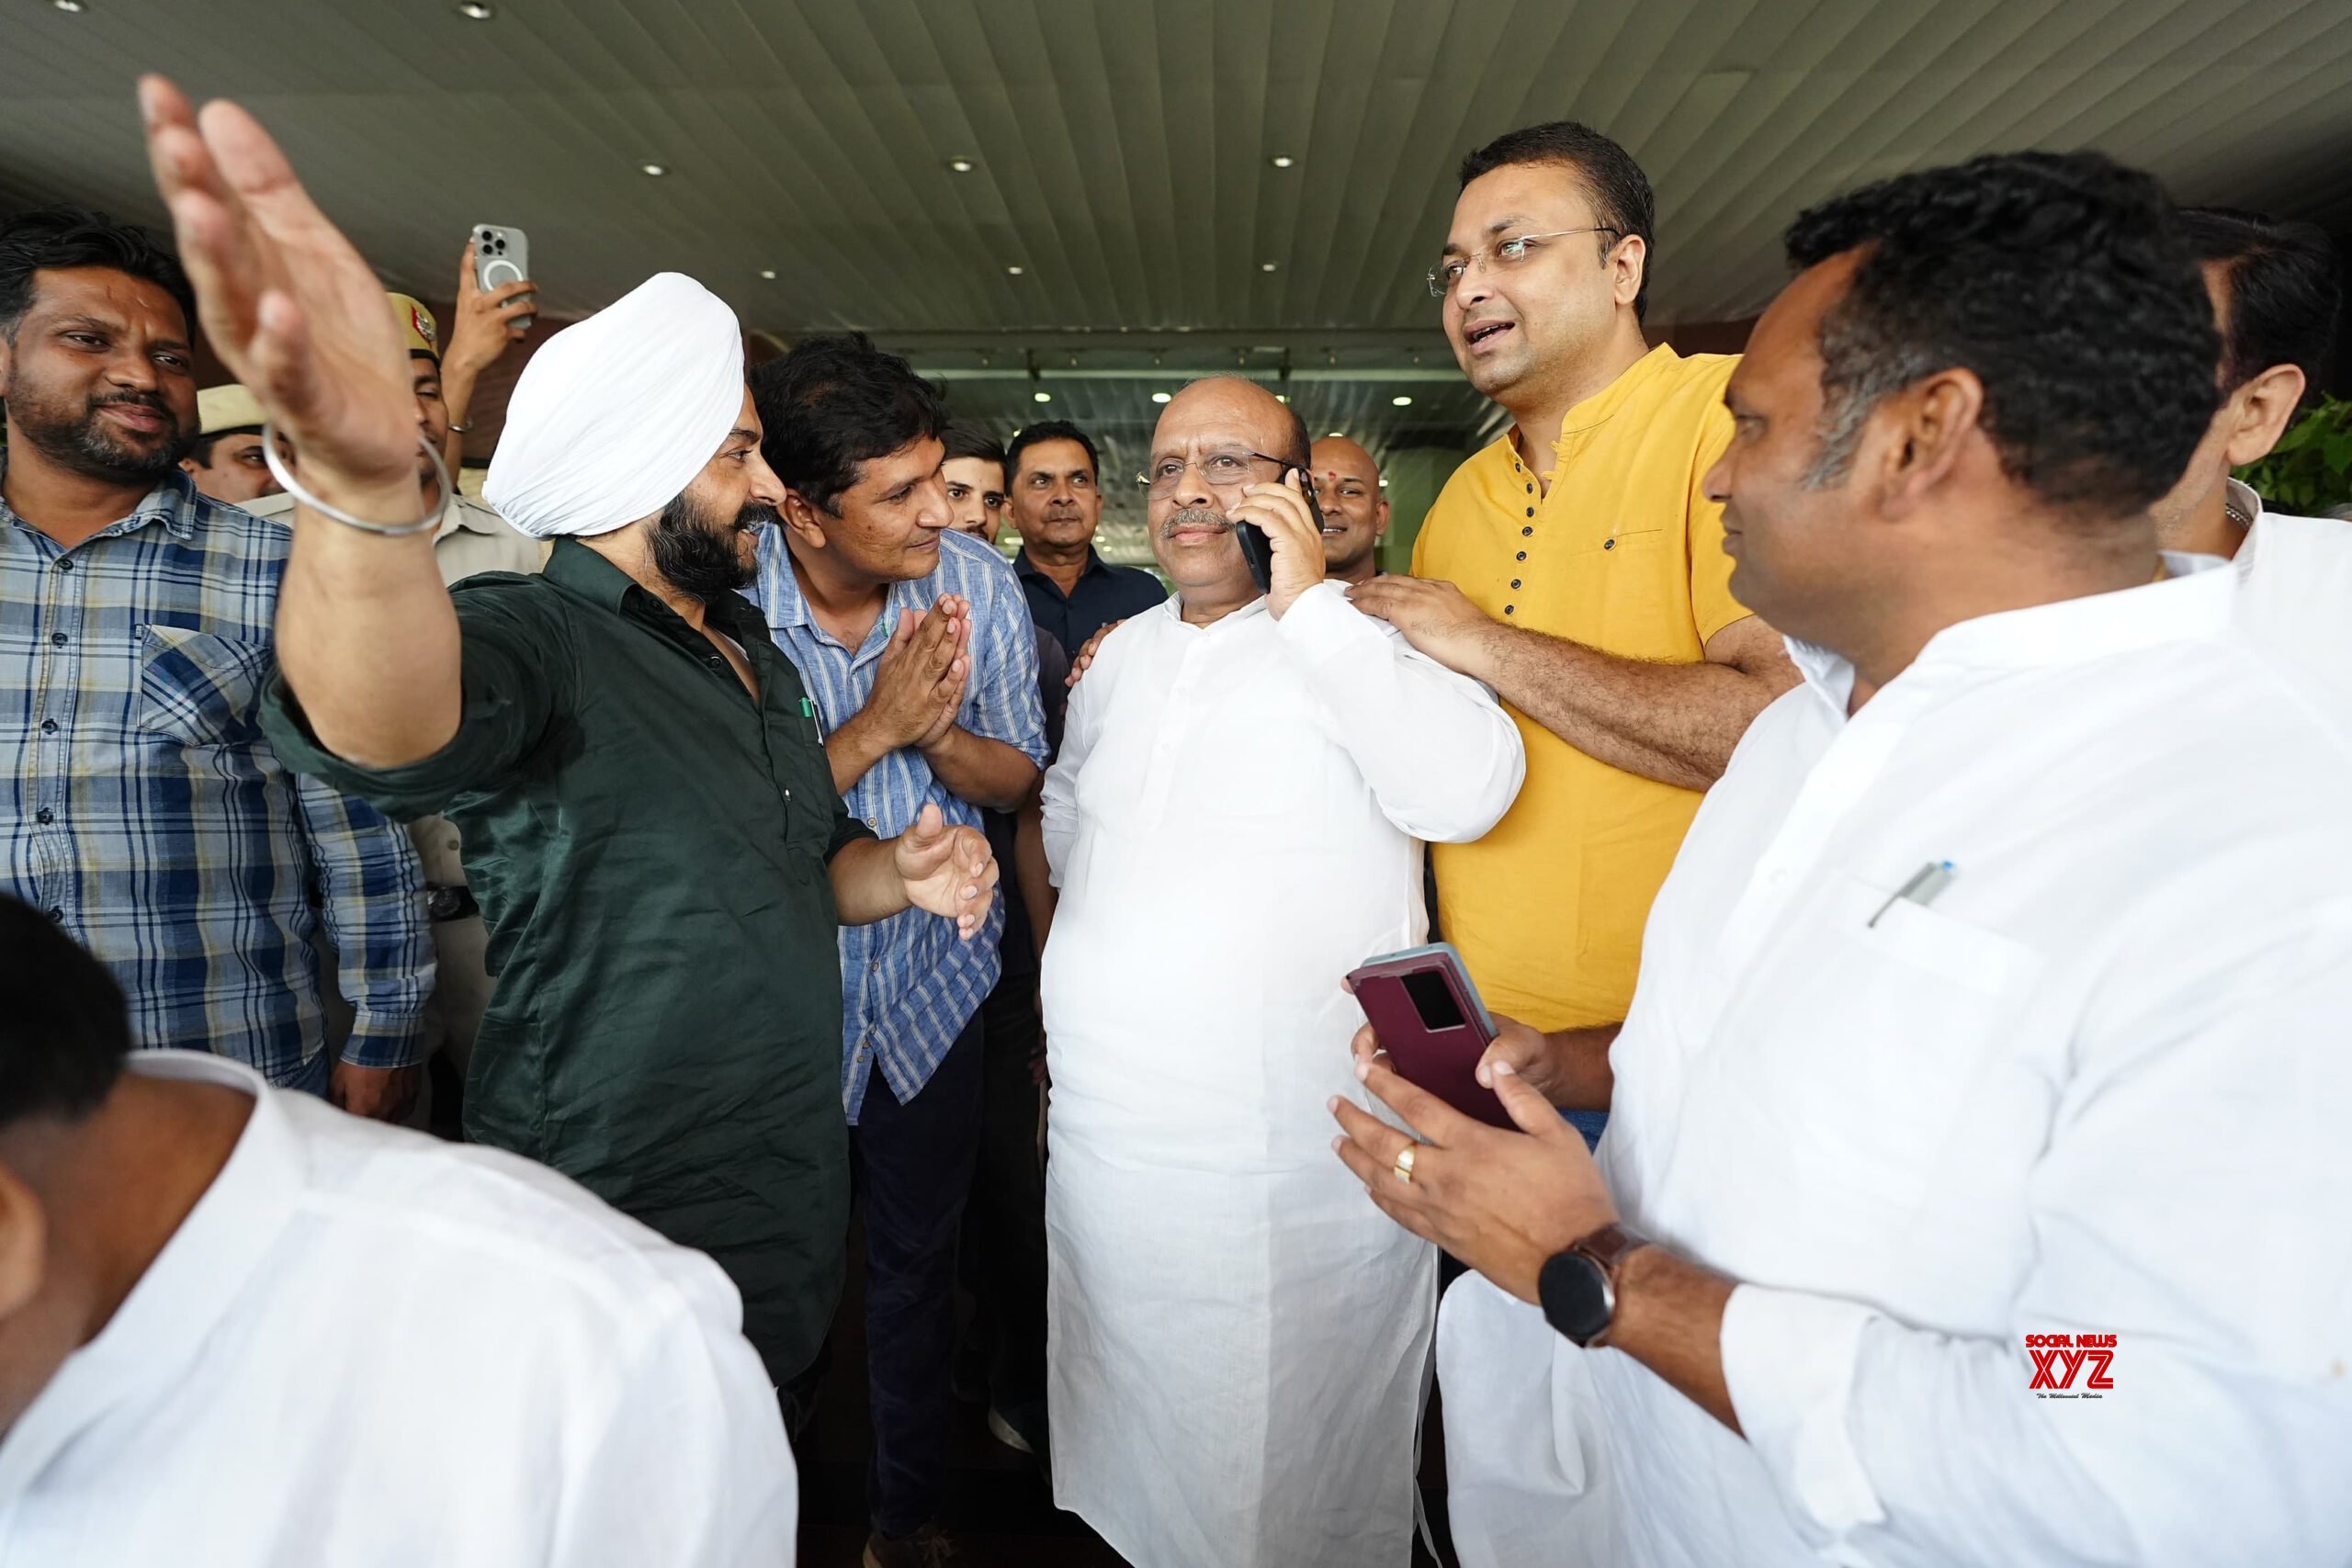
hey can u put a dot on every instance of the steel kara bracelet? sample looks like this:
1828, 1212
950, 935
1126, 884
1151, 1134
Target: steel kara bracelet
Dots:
388, 531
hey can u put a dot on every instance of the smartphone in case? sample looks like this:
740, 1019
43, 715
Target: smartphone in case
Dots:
1429, 1019
501, 255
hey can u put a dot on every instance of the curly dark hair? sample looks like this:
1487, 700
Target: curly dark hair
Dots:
834, 404
67, 236
1620, 191
2062, 281
64, 1031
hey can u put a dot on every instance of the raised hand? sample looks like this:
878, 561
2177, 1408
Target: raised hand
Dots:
948, 871
485, 322
289, 305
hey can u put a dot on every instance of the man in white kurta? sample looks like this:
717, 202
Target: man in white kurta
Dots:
1983, 1097
1236, 1339
284, 1335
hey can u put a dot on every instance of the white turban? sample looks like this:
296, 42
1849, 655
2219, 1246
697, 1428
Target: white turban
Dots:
615, 415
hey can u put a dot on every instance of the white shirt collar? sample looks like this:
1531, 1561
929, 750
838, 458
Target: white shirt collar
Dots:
2249, 504
192, 1284
2191, 601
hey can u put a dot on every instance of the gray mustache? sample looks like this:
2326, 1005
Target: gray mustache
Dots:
1195, 517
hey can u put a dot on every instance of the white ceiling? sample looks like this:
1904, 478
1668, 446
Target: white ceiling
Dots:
1123, 148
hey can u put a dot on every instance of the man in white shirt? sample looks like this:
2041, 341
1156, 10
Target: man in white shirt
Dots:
1982, 1098
1236, 1344
239, 1326
2278, 293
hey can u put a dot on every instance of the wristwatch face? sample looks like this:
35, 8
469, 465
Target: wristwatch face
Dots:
1575, 1296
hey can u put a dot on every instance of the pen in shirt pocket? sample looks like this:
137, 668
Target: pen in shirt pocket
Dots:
808, 714
1926, 884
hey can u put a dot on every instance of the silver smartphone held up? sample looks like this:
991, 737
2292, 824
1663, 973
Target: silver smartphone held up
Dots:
501, 255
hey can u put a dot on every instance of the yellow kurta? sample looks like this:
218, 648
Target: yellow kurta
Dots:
1623, 554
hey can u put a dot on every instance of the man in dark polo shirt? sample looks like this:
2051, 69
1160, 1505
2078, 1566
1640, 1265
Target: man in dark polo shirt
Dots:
1057, 502
649, 821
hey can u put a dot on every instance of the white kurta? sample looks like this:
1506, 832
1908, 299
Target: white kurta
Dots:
2295, 599
366, 1348
2100, 1086
1236, 1337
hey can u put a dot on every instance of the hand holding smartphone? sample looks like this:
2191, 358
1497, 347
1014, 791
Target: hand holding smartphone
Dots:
501, 255
1429, 1019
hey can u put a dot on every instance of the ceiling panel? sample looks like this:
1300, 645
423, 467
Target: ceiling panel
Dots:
1122, 149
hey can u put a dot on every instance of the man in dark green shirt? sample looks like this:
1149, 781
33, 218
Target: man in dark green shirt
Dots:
649, 816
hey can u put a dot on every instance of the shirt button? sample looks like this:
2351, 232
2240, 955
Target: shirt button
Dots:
1509, 608
1530, 490
57, 914
1607, 543
44, 816
64, 565
1524, 532
1514, 583
57, 640
48, 727
1531, 512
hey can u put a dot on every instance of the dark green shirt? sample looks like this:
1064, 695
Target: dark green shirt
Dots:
648, 846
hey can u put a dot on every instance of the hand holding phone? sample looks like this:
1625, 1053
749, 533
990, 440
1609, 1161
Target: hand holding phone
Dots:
1257, 548
501, 255
1430, 1021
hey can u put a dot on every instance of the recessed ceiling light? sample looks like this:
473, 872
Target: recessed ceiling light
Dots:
1159, 397
1043, 397
1281, 397
767, 272
70, 8
962, 165
1337, 435
656, 170
1265, 267
1402, 401
1282, 160
1384, 484
1013, 272
475, 10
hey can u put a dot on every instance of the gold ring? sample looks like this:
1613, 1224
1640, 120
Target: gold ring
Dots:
1404, 1166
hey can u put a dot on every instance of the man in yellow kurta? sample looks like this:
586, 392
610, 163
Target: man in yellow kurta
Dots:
1576, 568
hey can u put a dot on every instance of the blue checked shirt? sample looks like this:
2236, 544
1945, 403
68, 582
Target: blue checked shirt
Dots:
146, 814
910, 984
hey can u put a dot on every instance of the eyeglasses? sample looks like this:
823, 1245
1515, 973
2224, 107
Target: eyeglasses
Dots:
1504, 254
1228, 469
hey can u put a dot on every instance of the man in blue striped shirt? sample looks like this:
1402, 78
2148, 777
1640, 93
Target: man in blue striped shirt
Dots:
142, 809
915, 640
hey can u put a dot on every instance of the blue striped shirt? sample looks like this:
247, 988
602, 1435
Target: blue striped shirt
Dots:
910, 984
145, 813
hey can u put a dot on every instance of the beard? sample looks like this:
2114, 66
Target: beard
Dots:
80, 441
695, 551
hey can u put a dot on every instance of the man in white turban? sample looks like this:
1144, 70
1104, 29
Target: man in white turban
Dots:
649, 821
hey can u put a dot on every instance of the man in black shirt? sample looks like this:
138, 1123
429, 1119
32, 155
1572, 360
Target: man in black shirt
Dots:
1057, 502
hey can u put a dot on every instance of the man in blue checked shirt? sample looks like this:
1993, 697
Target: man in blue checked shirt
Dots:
142, 809
915, 641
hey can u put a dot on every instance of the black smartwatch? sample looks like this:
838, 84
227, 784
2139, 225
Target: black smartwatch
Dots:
1579, 1286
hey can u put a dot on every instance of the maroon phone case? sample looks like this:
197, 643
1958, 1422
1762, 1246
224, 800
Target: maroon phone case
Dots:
1444, 1063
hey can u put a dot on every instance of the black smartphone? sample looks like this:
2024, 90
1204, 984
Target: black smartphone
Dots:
1257, 550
